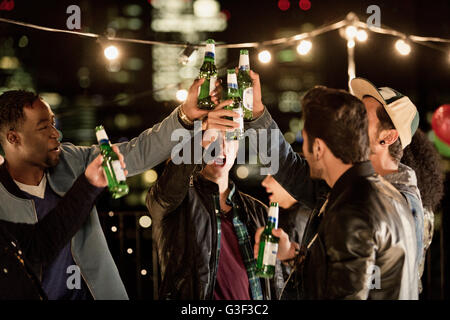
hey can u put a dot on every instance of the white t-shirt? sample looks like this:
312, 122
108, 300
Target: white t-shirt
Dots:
37, 191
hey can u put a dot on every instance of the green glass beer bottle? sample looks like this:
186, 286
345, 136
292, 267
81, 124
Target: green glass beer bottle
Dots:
268, 245
111, 165
236, 106
245, 84
208, 71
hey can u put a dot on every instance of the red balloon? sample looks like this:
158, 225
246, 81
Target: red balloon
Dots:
441, 123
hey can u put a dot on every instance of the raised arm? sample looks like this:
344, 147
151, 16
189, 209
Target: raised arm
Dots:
293, 170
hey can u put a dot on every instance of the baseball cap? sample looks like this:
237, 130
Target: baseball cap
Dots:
399, 107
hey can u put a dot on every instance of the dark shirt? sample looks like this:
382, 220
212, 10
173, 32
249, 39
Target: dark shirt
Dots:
55, 276
232, 279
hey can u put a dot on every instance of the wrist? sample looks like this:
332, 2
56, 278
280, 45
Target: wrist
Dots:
184, 119
188, 117
258, 110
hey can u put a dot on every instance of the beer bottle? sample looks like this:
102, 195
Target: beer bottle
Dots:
268, 245
236, 106
208, 71
111, 165
245, 84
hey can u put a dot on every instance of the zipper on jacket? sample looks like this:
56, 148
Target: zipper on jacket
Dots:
216, 200
41, 273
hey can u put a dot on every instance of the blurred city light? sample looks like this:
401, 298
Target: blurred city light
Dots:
182, 95
111, 52
150, 177
145, 221
264, 56
402, 47
206, 8
304, 47
242, 172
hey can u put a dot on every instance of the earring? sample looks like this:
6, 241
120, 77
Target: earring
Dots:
382, 142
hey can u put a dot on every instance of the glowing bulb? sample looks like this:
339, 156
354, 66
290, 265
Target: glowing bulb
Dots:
111, 52
402, 47
111, 214
114, 229
145, 221
143, 272
182, 95
362, 35
351, 32
242, 172
129, 251
351, 44
304, 47
264, 56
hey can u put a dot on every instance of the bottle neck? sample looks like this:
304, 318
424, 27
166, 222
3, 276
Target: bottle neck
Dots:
233, 91
104, 144
209, 56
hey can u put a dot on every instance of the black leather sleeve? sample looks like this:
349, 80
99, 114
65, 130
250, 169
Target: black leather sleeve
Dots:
171, 189
350, 242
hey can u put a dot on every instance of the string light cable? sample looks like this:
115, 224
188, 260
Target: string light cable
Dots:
274, 42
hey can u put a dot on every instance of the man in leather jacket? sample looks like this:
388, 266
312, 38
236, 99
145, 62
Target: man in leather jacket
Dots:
204, 229
361, 244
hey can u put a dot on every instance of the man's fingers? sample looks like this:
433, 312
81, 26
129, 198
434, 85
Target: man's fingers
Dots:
223, 113
255, 79
223, 104
228, 124
197, 83
121, 158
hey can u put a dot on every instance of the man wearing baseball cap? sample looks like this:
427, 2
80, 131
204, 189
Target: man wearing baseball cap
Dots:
386, 143
393, 120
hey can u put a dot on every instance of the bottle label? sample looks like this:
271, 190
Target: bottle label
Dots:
244, 63
101, 135
212, 84
270, 254
247, 98
210, 49
239, 119
118, 171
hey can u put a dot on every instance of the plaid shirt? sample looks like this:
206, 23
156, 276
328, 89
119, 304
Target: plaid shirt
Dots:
245, 245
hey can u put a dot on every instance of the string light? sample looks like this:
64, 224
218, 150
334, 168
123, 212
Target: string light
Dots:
351, 44
304, 47
129, 251
111, 52
351, 32
264, 56
361, 35
144, 272
402, 47
114, 229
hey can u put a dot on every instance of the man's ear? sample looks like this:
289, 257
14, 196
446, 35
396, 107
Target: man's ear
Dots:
318, 148
388, 136
12, 137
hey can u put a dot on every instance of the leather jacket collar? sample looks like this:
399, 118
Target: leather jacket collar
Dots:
360, 169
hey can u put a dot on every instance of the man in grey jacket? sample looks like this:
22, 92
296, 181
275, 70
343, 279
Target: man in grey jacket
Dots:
38, 171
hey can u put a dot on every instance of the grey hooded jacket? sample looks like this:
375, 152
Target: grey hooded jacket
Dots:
89, 248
